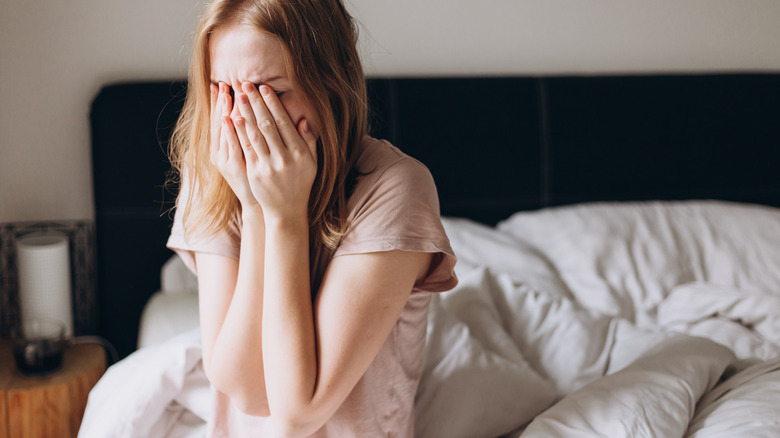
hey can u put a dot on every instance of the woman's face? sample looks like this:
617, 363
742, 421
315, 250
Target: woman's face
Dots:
239, 53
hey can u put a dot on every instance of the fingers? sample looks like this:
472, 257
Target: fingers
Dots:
224, 105
252, 131
268, 128
304, 130
286, 128
241, 138
227, 146
225, 102
225, 143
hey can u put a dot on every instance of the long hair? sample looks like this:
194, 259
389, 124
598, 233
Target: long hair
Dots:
320, 42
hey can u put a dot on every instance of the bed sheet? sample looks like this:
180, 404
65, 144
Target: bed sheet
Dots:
634, 319
639, 306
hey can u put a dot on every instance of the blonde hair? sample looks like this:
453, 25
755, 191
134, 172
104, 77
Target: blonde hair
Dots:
320, 42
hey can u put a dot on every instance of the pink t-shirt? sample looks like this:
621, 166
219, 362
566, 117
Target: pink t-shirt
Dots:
394, 205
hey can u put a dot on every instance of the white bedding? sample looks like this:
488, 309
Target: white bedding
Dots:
638, 319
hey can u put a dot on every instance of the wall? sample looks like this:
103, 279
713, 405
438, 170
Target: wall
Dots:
55, 55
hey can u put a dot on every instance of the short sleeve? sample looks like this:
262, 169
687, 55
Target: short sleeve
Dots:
186, 246
398, 209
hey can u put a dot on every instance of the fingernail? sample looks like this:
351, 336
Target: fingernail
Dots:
306, 126
248, 87
243, 99
265, 90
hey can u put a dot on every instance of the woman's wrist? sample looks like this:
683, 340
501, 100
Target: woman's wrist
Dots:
252, 215
289, 223
256, 216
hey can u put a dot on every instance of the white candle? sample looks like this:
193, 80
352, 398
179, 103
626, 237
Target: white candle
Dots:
43, 259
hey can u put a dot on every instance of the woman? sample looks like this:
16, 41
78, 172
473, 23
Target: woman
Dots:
315, 245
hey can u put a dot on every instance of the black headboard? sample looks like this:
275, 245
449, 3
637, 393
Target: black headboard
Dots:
494, 146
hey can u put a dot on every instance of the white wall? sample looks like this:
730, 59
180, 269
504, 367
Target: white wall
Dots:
55, 55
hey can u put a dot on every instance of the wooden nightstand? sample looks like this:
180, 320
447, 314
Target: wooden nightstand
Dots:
50, 406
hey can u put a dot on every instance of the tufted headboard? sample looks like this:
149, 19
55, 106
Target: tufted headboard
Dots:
495, 145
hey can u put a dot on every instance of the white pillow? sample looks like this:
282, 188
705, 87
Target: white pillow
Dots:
175, 276
624, 258
167, 314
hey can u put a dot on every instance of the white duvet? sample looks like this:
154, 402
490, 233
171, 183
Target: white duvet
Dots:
615, 320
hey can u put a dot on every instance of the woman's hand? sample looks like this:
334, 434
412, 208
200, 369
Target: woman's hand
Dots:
225, 150
281, 158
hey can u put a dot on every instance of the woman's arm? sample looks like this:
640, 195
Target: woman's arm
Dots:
314, 357
231, 306
231, 291
322, 350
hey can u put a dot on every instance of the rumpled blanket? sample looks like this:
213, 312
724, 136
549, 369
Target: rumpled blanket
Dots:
619, 320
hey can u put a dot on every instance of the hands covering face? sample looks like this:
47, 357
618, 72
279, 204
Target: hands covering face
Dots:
267, 160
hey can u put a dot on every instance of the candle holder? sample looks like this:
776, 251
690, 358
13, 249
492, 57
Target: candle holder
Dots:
38, 345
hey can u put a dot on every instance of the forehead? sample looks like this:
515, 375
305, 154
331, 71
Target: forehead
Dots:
241, 53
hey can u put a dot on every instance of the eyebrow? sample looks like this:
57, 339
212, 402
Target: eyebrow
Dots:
257, 83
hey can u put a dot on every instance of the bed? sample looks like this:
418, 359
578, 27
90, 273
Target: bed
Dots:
619, 256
